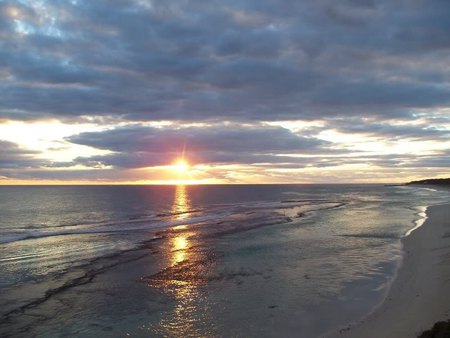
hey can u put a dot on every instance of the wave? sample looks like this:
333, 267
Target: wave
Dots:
422, 217
381, 235
256, 211
101, 228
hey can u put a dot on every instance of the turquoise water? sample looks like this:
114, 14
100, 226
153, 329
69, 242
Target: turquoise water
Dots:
236, 260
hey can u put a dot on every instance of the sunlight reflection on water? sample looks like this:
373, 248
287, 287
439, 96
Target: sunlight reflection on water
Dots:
182, 279
181, 203
180, 242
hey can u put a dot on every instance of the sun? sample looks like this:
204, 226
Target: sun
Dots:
181, 166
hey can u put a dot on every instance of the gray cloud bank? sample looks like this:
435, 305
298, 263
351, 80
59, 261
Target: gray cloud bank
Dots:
138, 146
13, 157
190, 60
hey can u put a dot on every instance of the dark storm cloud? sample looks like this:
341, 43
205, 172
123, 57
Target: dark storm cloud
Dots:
246, 60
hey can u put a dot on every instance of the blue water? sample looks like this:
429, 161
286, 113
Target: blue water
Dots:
224, 260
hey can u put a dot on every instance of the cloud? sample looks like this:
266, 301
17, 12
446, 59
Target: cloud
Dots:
365, 68
247, 60
141, 146
12, 156
419, 131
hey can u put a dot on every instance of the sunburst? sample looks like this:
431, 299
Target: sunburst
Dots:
181, 166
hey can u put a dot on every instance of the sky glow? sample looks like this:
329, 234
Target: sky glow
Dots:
106, 92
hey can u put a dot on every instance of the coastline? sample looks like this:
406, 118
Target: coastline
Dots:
419, 295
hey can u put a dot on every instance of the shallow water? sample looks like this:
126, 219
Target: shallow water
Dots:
245, 260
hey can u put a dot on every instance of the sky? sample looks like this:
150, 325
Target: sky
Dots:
248, 91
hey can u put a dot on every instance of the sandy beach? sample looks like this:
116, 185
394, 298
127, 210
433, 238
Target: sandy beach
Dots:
419, 296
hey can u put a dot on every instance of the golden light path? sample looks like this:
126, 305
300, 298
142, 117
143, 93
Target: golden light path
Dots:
183, 319
180, 207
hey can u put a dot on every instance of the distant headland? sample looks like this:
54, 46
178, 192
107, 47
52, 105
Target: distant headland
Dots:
429, 181
433, 181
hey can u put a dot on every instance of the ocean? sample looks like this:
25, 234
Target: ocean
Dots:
200, 261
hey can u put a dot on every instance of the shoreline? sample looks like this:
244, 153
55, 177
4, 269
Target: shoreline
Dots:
418, 296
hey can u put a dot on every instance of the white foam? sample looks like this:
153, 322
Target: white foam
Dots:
420, 221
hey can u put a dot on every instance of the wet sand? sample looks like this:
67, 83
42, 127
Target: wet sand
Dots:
420, 295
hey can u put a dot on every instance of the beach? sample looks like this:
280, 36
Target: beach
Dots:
419, 295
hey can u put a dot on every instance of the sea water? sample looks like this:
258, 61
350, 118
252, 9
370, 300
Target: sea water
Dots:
200, 261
